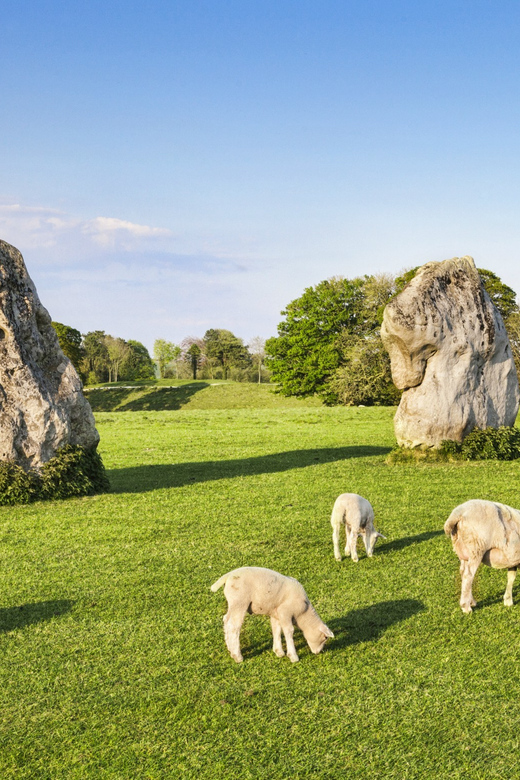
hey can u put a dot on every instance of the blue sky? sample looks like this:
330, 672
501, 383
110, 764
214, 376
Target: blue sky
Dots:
169, 167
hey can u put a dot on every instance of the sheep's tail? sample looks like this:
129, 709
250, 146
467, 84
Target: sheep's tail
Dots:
218, 584
450, 526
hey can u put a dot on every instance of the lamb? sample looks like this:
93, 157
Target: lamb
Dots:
487, 532
266, 592
357, 515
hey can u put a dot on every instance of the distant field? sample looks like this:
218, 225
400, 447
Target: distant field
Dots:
112, 656
169, 394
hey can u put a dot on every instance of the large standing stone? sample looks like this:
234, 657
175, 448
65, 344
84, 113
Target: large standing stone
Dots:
42, 407
450, 354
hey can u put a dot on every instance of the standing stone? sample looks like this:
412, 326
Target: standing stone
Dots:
42, 406
451, 356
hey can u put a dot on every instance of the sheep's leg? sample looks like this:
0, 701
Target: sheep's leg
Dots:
233, 620
468, 573
353, 545
335, 541
462, 569
508, 595
288, 631
347, 542
277, 637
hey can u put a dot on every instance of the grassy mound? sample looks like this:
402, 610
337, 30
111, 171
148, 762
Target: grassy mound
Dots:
172, 395
74, 471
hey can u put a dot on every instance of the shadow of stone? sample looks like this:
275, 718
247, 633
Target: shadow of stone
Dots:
157, 399
405, 541
368, 623
143, 478
12, 618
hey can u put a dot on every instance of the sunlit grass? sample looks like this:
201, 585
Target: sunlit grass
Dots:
112, 657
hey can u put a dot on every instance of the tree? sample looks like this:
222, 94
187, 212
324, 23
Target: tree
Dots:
364, 376
164, 352
306, 353
70, 343
256, 349
193, 353
118, 351
138, 364
96, 360
225, 349
503, 297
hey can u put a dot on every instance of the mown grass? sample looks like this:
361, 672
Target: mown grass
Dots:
112, 657
171, 395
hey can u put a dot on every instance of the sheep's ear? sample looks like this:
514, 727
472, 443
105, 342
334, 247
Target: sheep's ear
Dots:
380, 535
326, 630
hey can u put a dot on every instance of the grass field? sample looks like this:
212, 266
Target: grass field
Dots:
112, 656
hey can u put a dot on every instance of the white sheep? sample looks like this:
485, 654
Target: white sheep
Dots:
266, 592
357, 515
487, 532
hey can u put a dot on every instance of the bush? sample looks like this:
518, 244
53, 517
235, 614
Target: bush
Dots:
16, 485
490, 444
74, 471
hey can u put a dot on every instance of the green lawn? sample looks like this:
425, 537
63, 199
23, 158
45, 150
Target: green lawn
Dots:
112, 656
172, 395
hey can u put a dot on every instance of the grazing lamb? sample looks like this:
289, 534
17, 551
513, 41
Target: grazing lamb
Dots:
487, 532
266, 592
357, 515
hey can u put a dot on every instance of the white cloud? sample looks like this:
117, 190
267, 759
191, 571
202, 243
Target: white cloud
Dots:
141, 281
33, 226
110, 232
40, 227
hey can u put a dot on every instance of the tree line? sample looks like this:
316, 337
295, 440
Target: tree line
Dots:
99, 357
218, 355
329, 342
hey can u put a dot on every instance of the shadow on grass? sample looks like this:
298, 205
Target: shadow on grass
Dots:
406, 541
142, 478
12, 618
156, 399
367, 624
360, 625
491, 601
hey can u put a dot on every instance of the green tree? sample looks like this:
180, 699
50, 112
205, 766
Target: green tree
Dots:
365, 376
503, 297
118, 351
70, 343
164, 352
96, 360
192, 350
138, 364
194, 353
306, 352
225, 349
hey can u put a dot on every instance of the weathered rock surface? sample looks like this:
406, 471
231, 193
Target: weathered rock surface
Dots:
450, 354
42, 407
